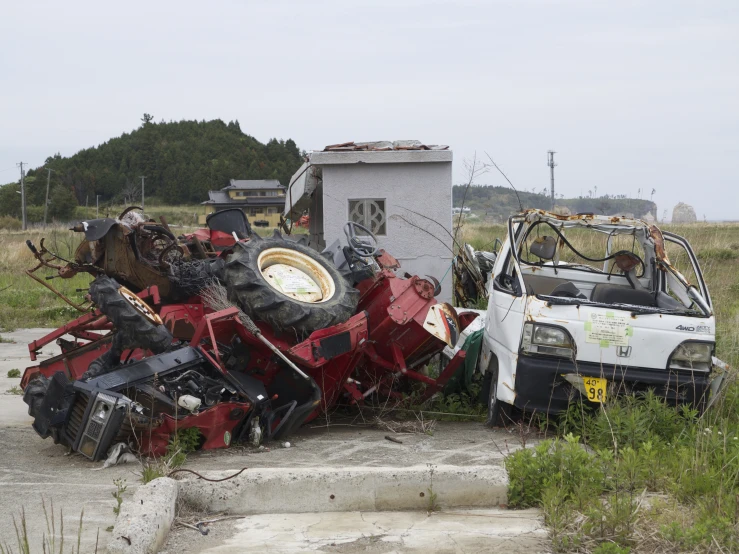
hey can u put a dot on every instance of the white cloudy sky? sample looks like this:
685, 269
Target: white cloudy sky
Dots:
631, 94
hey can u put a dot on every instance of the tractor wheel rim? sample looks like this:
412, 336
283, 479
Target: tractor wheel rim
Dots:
296, 275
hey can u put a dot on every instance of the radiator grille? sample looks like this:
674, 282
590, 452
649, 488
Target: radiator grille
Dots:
77, 414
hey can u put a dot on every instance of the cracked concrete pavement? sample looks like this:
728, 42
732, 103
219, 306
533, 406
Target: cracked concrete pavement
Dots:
32, 469
455, 531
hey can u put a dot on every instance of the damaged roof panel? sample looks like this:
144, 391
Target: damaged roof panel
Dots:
383, 146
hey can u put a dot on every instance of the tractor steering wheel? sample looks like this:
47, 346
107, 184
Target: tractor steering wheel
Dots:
364, 247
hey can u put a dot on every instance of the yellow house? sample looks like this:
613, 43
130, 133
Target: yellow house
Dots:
262, 201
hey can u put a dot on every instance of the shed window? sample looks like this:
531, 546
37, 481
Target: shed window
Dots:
369, 212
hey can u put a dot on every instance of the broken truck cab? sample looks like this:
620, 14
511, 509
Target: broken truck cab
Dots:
586, 306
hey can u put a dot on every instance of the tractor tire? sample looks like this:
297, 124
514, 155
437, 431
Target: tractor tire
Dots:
34, 393
132, 328
263, 301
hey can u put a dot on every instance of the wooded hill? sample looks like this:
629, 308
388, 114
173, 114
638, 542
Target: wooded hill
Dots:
498, 203
181, 160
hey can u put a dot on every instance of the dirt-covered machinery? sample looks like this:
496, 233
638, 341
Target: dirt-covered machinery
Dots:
244, 337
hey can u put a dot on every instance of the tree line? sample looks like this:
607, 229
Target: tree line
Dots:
181, 160
499, 203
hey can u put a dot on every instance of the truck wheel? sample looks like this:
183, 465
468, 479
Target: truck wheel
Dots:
499, 413
287, 285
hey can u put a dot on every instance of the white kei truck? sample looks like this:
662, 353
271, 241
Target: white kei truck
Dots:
584, 307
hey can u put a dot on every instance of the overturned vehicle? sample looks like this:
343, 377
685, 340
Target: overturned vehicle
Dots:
243, 337
585, 307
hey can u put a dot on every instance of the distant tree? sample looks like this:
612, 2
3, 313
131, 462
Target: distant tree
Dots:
62, 203
603, 205
182, 161
10, 199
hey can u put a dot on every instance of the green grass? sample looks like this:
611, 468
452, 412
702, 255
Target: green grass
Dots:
23, 301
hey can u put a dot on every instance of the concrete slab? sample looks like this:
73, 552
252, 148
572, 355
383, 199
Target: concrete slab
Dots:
344, 443
344, 489
144, 520
458, 531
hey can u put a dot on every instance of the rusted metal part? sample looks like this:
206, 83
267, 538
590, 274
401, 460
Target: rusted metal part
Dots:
425, 288
659, 243
448, 372
81, 306
585, 217
386, 261
205, 334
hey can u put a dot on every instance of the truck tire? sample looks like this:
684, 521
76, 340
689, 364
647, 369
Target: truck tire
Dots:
132, 328
498, 413
266, 296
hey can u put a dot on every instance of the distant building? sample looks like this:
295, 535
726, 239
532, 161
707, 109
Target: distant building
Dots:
261, 200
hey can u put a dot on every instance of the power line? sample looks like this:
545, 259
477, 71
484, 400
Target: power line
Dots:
46, 204
551, 164
23, 196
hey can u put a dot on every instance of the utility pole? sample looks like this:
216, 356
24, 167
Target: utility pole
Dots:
46, 204
23, 197
551, 164
142, 192
97, 206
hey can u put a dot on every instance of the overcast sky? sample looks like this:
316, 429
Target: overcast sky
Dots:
631, 94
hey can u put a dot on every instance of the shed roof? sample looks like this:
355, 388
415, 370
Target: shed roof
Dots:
221, 198
258, 184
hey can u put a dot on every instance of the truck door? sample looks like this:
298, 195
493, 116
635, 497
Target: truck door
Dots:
505, 316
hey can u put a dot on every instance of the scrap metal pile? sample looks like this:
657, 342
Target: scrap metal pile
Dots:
245, 338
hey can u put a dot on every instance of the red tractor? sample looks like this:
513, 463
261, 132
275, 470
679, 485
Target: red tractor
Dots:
243, 337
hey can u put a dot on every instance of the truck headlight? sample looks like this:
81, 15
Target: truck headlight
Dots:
695, 356
547, 340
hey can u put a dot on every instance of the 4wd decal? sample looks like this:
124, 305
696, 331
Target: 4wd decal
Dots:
705, 329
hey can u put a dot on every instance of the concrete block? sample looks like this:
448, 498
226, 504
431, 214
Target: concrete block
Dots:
301, 490
144, 521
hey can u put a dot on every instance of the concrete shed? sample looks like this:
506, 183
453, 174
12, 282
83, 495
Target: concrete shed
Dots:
381, 188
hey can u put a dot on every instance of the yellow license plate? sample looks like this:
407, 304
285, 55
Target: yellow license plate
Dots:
595, 389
